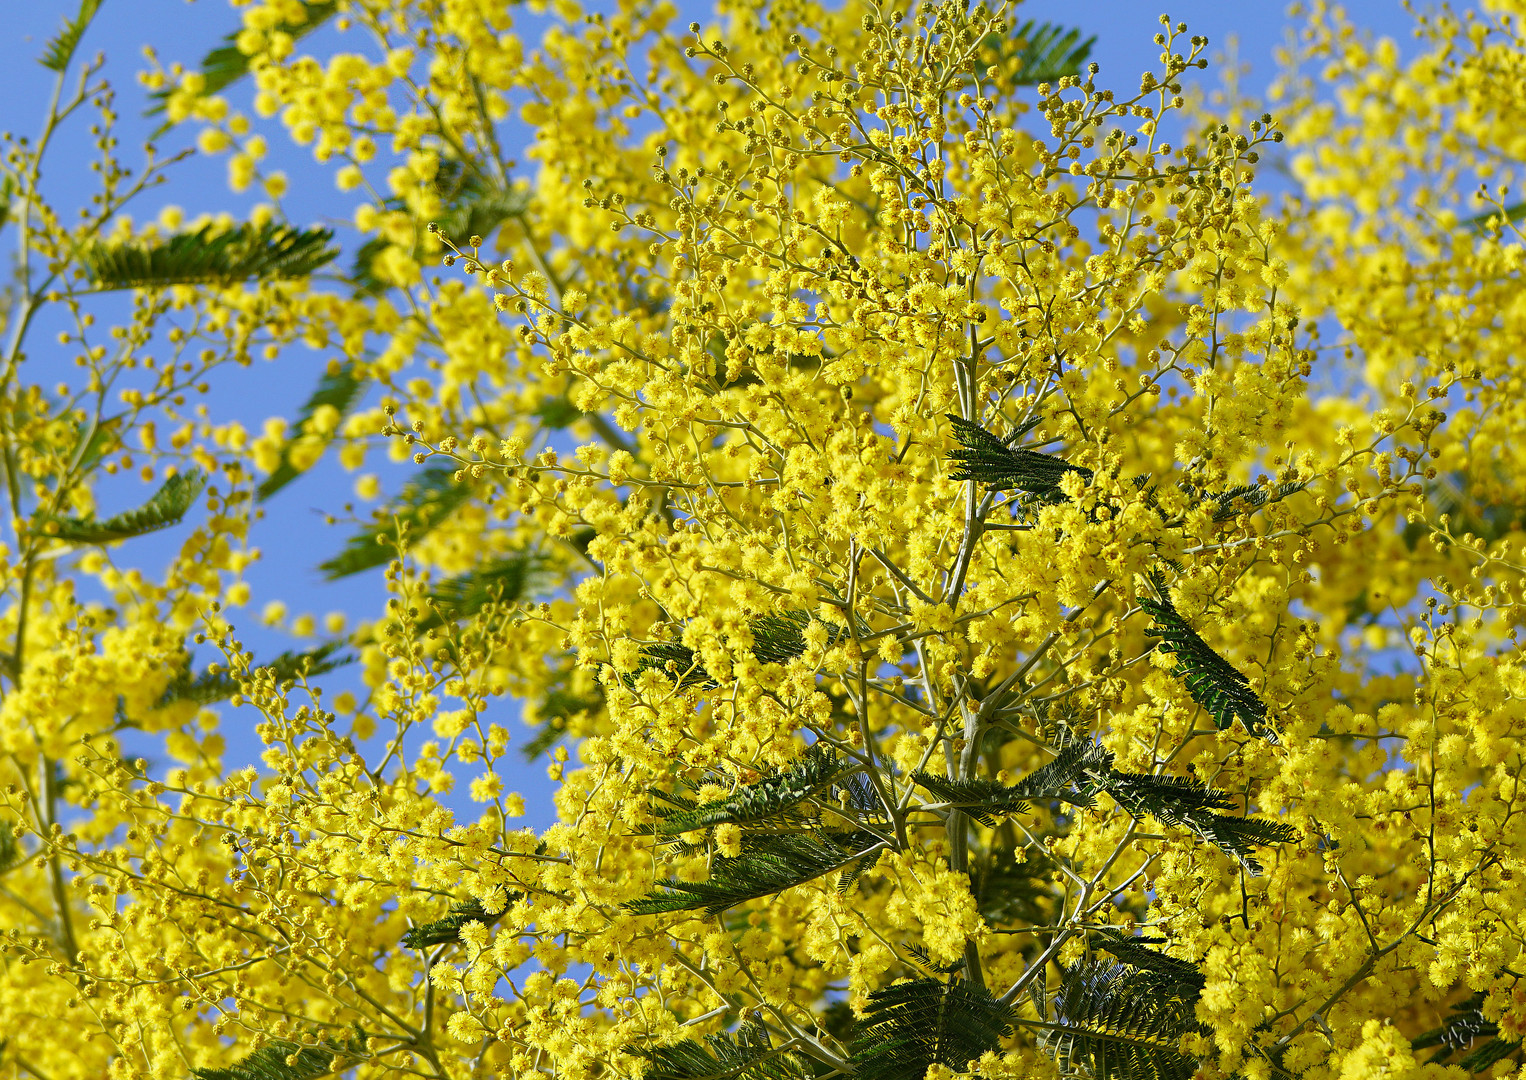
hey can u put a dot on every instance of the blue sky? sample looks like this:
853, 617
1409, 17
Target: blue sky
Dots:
293, 536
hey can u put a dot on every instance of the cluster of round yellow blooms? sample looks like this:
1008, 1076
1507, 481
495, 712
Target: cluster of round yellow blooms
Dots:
977, 621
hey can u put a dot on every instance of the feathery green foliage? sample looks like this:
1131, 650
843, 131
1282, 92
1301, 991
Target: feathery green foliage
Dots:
478, 208
557, 709
1000, 464
1167, 974
446, 930
473, 206
913, 1025
281, 1059
10, 851
1083, 768
1113, 1021
1465, 1026
506, 580
776, 639
428, 499
1457, 494
363, 276
96, 439
219, 684
1003, 466
1483, 223
767, 865
165, 508
61, 48
1033, 53
747, 1055
1229, 503
1044, 52
1212, 681
557, 413
1173, 798
339, 388
1012, 886
209, 257
797, 825
1073, 776
674, 659
1191, 805
775, 799
984, 800
226, 64
1246, 497
560, 704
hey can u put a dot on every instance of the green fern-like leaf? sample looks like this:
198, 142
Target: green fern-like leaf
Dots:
1464, 1027
1228, 504
568, 696
1073, 777
61, 49
1166, 974
747, 1055
1083, 768
96, 439
1113, 1022
363, 277
776, 639
1163, 796
1458, 495
1211, 680
923, 961
220, 685
225, 64
1000, 465
1243, 498
1044, 52
448, 929
1487, 1055
1010, 889
480, 210
425, 502
512, 578
774, 799
473, 206
984, 800
767, 865
1252, 497
167, 506
914, 1025
674, 659
1482, 223
1033, 53
1191, 805
209, 257
557, 413
280, 1059
340, 389
11, 853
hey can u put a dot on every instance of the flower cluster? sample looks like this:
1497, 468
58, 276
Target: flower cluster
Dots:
969, 622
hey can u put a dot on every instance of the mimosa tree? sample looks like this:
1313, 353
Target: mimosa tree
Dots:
981, 616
